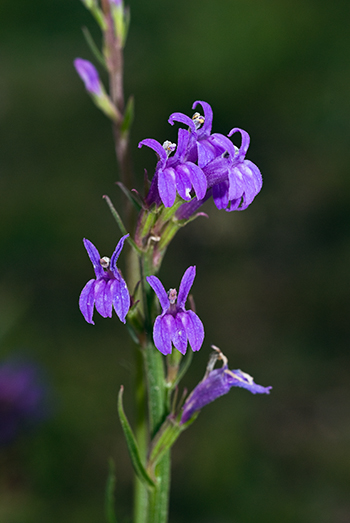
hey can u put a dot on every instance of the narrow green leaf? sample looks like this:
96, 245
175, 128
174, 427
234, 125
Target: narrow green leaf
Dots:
139, 469
130, 196
121, 225
109, 499
93, 47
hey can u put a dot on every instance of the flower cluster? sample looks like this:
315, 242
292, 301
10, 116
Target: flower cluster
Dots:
176, 325
108, 290
203, 165
216, 383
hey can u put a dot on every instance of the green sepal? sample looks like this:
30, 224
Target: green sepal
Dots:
93, 47
128, 115
186, 362
110, 488
134, 453
165, 439
130, 196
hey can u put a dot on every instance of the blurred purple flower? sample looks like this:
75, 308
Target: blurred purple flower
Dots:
216, 383
176, 325
175, 173
88, 73
22, 399
108, 290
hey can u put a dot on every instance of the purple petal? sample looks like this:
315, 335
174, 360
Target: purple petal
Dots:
257, 175
205, 130
120, 298
216, 384
183, 137
217, 170
244, 145
222, 144
194, 329
103, 300
163, 332
237, 378
167, 186
212, 387
183, 183
250, 188
180, 336
185, 286
88, 73
157, 147
236, 185
94, 256
236, 205
206, 153
220, 195
161, 293
86, 301
183, 118
197, 177
115, 255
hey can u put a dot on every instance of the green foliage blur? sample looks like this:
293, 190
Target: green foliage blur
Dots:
272, 284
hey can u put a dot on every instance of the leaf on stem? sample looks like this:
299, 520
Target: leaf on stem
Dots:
93, 47
120, 223
139, 469
131, 196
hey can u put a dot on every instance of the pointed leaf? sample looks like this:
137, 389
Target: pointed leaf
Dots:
93, 47
139, 469
130, 196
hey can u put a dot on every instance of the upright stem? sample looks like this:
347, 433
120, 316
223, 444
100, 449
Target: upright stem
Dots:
115, 64
159, 496
140, 491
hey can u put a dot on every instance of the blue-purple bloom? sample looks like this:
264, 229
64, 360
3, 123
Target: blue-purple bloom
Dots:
22, 398
204, 165
175, 173
176, 325
88, 73
108, 290
216, 383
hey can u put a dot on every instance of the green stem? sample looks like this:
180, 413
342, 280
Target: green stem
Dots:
140, 491
159, 496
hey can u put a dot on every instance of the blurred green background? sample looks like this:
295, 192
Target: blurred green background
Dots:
272, 285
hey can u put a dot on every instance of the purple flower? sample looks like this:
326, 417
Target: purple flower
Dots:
22, 398
216, 383
88, 73
176, 325
108, 290
203, 146
176, 173
232, 180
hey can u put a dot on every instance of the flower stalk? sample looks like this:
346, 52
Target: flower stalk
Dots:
201, 165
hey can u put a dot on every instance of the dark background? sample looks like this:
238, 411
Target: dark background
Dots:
272, 284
